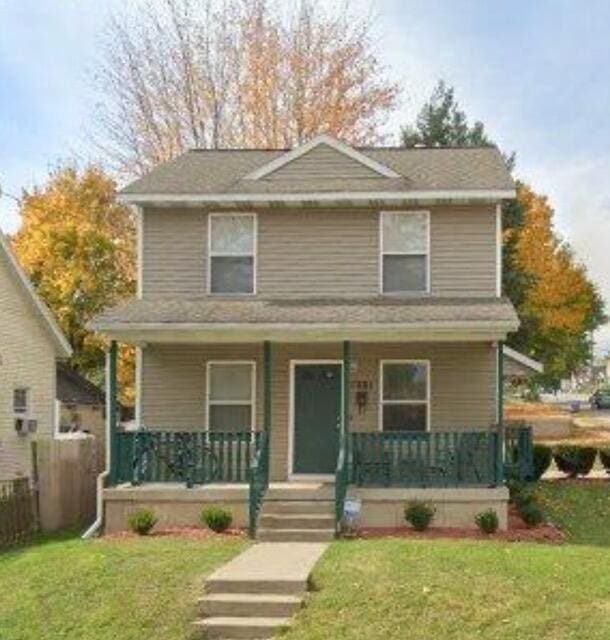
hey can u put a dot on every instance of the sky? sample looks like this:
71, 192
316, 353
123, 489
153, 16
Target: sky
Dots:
536, 73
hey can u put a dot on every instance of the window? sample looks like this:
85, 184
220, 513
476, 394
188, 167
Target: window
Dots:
404, 252
232, 242
231, 390
20, 401
404, 402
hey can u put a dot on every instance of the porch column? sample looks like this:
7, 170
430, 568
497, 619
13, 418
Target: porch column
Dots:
267, 408
111, 411
268, 381
500, 384
347, 361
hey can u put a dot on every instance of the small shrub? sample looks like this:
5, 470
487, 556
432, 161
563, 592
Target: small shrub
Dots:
542, 460
419, 514
604, 456
531, 513
142, 521
216, 518
574, 460
487, 521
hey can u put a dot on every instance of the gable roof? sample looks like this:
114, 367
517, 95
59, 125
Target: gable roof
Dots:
522, 361
396, 174
73, 388
62, 347
322, 140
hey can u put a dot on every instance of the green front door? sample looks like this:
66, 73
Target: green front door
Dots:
317, 418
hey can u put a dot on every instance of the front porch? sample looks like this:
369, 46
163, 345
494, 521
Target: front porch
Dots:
179, 468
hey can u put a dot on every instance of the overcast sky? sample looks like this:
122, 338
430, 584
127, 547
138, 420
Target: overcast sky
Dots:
536, 73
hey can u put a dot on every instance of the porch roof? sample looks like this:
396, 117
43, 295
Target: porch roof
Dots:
377, 318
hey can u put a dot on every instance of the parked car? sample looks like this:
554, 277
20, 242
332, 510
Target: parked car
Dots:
600, 399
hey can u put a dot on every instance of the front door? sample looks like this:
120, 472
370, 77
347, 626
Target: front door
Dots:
317, 418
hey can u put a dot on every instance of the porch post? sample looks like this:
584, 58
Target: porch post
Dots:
111, 409
500, 384
346, 375
268, 382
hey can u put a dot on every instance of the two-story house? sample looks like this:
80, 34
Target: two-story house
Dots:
326, 319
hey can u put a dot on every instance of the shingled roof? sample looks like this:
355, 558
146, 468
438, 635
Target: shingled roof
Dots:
327, 311
242, 173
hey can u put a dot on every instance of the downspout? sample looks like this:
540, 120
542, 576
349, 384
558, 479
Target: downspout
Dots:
110, 419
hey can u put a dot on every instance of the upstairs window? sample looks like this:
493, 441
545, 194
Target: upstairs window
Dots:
404, 252
231, 393
404, 395
232, 249
21, 401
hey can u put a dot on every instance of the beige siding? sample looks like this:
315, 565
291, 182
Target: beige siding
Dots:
322, 162
462, 376
321, 253
174, 255
27, 359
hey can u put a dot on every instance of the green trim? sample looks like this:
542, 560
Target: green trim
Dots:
500, 384
346, 383
112, 411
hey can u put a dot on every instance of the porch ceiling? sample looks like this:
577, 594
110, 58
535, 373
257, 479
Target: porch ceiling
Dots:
367, 320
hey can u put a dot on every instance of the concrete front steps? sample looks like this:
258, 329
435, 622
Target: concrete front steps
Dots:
255, 594
298, 513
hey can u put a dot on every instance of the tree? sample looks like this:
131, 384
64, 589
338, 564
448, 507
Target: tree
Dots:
77, 245
216, 73
442, 122
558, 306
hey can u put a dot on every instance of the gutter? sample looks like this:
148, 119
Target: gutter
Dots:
94, 528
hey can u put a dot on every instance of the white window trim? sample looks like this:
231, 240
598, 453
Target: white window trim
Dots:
28, 402
208, 402
498, 250
381, 402
240, 254
383, 253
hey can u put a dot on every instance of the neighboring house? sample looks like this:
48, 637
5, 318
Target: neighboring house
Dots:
31, 344
518, 366
342, 303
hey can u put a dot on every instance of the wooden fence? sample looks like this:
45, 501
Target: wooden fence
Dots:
65, 472
17, 511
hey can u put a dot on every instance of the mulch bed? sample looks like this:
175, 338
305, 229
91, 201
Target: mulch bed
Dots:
517, 531
186, 533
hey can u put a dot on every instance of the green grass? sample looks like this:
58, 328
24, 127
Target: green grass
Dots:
459, 590
582, 511
142, 588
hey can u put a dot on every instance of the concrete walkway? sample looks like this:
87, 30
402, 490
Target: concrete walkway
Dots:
255, 594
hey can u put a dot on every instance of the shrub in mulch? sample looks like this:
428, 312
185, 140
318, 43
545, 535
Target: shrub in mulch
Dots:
542, 460
487, 521
142, 521
419, 514
574, 460
216, 518
186, 533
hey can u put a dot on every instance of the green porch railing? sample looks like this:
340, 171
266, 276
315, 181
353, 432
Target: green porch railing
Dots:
193, 457
425, 459
341, 481
259, 481
518, 452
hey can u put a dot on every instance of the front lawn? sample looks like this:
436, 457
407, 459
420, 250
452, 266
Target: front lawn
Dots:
128, 589
581, 509
452, 590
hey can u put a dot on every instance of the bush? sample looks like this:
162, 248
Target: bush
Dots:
542, 460
419, 514
142, 521
604, 456
531, 513
574, 460
216, 518
487, 521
